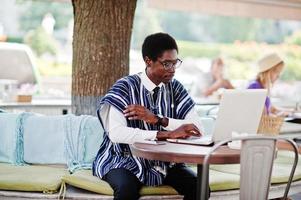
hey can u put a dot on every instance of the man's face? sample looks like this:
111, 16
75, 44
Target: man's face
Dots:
156, 70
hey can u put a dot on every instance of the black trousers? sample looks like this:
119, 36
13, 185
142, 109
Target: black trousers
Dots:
126, 185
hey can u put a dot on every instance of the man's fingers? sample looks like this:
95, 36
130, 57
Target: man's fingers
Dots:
131, 113
194, 132
133, 118
192, 129
129, 108
133, 108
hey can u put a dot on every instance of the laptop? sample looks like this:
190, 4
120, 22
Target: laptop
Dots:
239, 111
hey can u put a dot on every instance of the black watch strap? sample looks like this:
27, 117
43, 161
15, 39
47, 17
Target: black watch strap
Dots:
160, 120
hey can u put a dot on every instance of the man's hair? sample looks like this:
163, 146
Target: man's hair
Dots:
154, 45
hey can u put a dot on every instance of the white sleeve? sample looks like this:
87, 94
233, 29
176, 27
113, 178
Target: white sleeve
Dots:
192, 117
120, 133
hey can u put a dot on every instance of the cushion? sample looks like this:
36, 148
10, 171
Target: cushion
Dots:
222, 177
44, 139
31, 178
84, 136
223, 181
8, 137
220, 180
93, 138
285, 157
85, 180
65, 139
281, 169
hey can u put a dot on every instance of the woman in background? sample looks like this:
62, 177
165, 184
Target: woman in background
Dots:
269, 69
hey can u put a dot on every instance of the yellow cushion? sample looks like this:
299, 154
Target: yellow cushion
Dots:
85, 180
219, 180
223, 181
281, 169
286, 157
30, 178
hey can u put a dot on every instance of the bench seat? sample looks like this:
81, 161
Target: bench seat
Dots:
31, 178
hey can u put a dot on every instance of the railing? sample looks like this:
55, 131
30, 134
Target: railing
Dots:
49, 107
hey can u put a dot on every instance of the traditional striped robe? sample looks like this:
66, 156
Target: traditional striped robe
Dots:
173, 101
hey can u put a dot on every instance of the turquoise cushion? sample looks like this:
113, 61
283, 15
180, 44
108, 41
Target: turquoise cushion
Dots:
83, 138
65, 139
93, 138
44, 139
8, 137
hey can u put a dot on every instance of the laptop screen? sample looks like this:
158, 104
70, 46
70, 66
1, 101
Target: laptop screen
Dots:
239, 111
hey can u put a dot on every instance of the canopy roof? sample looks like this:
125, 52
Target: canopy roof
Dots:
271, 9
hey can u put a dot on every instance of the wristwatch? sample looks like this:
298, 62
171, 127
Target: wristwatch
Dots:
160, 120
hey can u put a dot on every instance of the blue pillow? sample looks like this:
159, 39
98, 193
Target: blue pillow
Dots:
43, 138
83, 138
94, 137
8, 137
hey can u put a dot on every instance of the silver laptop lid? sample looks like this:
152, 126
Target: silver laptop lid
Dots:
240, 111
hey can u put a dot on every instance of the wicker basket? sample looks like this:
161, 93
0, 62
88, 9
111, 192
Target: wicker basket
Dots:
270, 125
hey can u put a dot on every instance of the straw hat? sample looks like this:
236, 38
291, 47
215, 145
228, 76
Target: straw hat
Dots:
268, 61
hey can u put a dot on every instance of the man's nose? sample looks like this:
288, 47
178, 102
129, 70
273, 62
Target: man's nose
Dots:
172, 69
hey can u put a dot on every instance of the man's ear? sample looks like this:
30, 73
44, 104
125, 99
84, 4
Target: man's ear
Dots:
147, 61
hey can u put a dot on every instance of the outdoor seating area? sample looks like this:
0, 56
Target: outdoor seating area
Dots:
35, 169
150, 100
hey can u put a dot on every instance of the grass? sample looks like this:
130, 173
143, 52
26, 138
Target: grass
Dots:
51, 68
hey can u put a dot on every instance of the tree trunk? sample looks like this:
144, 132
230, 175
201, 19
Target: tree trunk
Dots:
101, 44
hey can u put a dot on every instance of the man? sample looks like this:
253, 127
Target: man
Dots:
150, 105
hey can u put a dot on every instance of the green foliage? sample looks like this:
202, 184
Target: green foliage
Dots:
142, 17
194, 49
15, 39
178, 23
193, 26
292, 71
240, 58
50, 68
225, 29
41, 42
34, 11
294, 39
270, 31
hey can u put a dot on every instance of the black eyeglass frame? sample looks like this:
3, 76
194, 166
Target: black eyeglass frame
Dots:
175, 65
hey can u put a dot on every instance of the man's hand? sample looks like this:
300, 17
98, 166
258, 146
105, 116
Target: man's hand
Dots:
134, 112
184, 131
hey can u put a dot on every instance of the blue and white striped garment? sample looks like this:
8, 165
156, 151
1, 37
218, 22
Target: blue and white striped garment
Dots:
173, 101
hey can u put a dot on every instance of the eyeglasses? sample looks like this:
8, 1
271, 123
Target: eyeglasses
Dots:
168, 64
